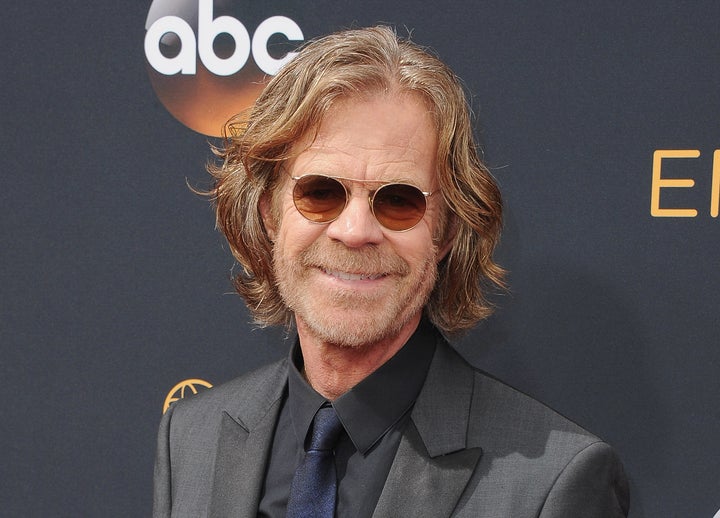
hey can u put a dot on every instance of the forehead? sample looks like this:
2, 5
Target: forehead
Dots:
383, 136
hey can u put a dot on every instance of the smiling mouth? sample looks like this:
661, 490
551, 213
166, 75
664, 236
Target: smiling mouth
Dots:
345, 276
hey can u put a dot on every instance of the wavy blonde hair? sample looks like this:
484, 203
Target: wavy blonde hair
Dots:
347, 63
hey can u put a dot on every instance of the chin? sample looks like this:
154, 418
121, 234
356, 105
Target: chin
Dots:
353, 328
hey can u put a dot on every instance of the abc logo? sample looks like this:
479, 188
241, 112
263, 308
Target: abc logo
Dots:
205, 66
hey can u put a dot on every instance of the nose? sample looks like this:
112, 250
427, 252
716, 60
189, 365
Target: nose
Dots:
356, 226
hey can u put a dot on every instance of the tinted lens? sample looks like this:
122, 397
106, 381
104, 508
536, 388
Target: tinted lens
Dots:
398, 206
319, 198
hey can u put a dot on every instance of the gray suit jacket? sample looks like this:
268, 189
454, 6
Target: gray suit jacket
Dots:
473, 447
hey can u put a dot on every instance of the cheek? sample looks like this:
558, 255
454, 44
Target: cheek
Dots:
296, 233
415, 247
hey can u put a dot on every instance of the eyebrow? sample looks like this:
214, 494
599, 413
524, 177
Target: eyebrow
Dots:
357, 180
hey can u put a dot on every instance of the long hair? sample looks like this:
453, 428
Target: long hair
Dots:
347, 63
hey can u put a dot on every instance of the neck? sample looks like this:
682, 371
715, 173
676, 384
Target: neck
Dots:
333, 369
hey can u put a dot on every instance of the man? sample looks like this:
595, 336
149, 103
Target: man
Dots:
355, 202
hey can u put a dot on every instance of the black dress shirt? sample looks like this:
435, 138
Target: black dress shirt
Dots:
374, 414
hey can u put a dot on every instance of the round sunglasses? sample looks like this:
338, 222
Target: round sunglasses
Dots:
396, 206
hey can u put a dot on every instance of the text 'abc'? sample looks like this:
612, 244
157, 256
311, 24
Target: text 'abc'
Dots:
185, 61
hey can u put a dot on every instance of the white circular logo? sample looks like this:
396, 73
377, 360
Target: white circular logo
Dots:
206, 65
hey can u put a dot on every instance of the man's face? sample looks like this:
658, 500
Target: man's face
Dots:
351, 281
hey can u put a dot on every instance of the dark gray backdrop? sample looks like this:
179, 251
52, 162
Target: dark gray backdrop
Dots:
114, 285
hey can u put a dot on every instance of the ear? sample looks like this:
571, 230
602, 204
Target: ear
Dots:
448, 240
266, 213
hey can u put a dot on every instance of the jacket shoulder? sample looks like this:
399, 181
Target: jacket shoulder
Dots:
190, 434
244, 398
503, 418
540, 460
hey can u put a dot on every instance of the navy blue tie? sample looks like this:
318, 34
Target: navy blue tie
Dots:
314, 486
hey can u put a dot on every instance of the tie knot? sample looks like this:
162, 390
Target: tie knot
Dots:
326, 428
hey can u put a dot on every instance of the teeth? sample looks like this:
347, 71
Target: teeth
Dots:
352, 276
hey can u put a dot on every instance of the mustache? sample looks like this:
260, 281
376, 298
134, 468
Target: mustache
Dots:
366, 260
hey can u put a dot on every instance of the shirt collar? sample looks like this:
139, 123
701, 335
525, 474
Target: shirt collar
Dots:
374, 405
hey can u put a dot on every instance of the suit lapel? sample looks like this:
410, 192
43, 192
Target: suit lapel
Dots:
243, 449
421, 485
434, 463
